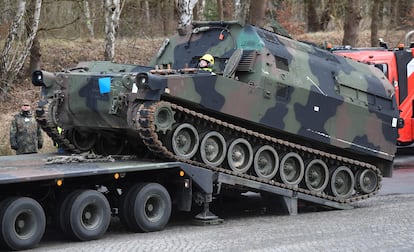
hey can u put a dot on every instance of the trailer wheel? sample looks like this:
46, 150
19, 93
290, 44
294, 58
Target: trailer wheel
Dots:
125, 205
87, 215
22, 223
150, 208
63, 221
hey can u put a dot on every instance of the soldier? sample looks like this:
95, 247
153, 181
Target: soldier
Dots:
206, 62
25, 133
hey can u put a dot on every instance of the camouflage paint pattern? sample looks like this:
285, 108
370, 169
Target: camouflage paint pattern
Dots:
25, 134
289, 86
280, 86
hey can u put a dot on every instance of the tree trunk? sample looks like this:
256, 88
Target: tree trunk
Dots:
228, 10
147, 13
185, 13
404, 9
374, 23
393, 12
351, 23
257, 12
312, 17
199, 10
243, 9
18, 44
220, 9
326, 15
88, 20
380, 4
112, 13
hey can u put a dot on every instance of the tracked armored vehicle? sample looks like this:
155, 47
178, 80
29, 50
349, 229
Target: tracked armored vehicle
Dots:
274, 110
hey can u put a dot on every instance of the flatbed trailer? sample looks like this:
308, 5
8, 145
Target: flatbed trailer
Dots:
80, 193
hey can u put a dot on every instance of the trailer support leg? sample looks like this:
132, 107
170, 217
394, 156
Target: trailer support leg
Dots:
291, 204
206, 217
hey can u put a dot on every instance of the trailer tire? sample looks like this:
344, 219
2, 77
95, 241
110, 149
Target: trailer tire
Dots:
150, 208
22, 223
125, 205
87, 215
63, 221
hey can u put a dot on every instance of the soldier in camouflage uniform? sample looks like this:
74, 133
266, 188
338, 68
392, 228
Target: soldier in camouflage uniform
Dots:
25, 133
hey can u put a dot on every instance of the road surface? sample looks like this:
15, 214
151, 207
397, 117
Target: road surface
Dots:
384, 222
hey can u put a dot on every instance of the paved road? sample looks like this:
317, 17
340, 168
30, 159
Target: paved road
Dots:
382, 223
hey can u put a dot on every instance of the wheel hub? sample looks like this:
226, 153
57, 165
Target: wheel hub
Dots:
164, 117
181, 140
20, 224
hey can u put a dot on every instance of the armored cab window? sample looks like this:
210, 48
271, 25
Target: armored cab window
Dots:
383, 68
282, 63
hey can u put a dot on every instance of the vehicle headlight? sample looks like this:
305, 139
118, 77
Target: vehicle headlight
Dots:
142, 80
37, 78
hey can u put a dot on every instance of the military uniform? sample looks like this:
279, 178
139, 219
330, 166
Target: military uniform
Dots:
25, 133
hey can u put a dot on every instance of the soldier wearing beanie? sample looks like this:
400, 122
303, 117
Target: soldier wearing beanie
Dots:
25, 133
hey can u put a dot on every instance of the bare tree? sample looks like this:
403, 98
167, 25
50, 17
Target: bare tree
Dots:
228, 9
404, 9
312, 16
112, 13
374, 22
351, 22
257, 12
185, 13
242, 9
18, 43
147, 12
326, 15
89, 23
220, 9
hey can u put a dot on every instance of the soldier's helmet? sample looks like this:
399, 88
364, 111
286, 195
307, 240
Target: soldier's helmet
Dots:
209, 58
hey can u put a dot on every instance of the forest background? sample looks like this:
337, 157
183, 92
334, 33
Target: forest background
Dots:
57, 34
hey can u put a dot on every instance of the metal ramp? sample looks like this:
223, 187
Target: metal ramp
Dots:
290, 198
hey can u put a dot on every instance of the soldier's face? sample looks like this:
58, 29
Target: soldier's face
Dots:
26, 107
203, 63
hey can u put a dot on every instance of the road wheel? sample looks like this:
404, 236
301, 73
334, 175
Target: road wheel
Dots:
109, 145
22, 223
316, 175
185, 141
87, 215
366, 180
150, 208
213, 148
266, 162
240, 155
82, 140
291, 169
342, 182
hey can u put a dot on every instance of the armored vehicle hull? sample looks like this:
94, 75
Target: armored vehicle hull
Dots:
273, 110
